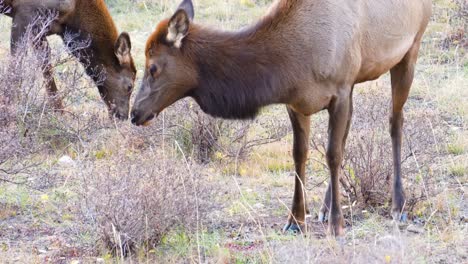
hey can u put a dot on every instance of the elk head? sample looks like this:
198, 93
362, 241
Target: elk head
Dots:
117, 86
169, 73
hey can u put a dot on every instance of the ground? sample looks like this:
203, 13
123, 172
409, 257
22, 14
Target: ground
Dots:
103, 169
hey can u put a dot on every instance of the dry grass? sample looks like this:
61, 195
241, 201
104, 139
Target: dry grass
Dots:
102, 189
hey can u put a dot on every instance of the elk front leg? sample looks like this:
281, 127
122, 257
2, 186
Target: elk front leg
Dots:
301, 128
21, 21
322, 217
48, 72
339, 112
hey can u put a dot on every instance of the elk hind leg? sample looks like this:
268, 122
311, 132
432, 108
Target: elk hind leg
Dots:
401, 77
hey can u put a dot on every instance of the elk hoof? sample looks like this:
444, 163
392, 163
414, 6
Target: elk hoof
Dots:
292, 228
58, 108
322, 217
341, 242
400, 217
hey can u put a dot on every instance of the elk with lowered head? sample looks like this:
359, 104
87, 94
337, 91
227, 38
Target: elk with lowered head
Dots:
305, 54
108, 51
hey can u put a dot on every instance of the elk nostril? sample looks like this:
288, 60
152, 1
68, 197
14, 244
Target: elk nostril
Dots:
133, 118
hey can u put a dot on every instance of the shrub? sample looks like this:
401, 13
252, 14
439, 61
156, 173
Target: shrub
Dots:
201, 135
134, 201
29, 126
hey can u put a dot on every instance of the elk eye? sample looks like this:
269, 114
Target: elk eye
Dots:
153, 69
129, 88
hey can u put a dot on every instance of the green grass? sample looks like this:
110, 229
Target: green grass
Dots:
458, 170
456, 149
16, 196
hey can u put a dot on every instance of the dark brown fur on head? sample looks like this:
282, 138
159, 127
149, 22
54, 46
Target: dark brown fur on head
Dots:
233, 79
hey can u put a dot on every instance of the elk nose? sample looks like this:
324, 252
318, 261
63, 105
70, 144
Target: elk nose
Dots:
133, 117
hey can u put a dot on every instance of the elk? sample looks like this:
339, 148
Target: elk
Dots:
107, 52
305, 54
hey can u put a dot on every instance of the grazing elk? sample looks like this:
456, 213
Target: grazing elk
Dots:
306, 54
89, 20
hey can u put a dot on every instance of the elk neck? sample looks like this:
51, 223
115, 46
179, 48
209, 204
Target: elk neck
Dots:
93, 24
238, 72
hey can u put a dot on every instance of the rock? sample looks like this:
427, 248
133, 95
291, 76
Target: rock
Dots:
66, 161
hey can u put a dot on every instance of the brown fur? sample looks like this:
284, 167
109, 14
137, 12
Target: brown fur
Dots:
306, 54
86, 20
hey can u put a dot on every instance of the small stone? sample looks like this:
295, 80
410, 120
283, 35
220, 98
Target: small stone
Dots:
66, 161
258, 206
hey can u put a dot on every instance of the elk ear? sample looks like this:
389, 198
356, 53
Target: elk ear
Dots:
187, 6
122, 49
179, 23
